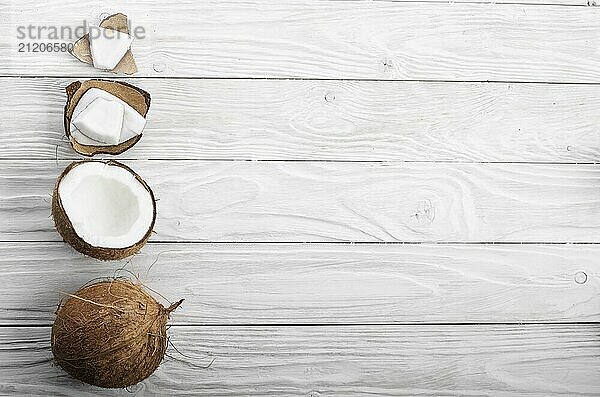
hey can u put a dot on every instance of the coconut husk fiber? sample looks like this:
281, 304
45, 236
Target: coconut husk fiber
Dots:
110, 334
137, 98
81, 48
69, 235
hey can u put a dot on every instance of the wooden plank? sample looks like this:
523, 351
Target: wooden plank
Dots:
316, 39
330, 361
320, 202
327, 120
322, 283
590, 3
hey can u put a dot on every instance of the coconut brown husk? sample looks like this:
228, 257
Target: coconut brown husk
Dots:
137, 98
69, 235
111, 334
81, 48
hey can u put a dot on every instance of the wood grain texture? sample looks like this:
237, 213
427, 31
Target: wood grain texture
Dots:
325, 319
326, 120
327, 39
330, 361
320, 202
322, 283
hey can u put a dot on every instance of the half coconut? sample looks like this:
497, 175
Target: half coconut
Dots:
103, 209
104, 117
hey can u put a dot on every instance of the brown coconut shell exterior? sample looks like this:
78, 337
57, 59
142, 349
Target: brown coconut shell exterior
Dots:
132, 95
67, 232
110, 334
81, 48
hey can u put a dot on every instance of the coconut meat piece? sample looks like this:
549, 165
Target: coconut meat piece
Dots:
101, 121
107, 206
108, 46
133, 123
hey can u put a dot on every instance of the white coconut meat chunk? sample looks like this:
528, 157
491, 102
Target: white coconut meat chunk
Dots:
106, 204
108, 46
132, 125
101, 121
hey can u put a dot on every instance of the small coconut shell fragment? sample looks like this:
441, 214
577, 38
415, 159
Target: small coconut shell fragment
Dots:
67, 231
137, 98
81, 48
110, 334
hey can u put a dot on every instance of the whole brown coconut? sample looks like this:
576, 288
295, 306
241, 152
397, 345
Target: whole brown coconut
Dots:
111, 334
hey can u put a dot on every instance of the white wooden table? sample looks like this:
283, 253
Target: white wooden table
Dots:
356, 197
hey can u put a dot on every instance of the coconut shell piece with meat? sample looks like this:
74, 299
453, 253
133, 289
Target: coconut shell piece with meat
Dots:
135, 97
81, 48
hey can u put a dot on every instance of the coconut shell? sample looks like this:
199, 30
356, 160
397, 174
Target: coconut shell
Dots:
81, 48
70, 236
137, 98
110, 334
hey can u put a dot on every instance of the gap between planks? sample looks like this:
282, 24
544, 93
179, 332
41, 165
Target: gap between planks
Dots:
300, 243
307, 79
391, 162
333, 325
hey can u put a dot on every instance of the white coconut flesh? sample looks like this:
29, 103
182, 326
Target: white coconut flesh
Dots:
107, 206
108, 46
102, 119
